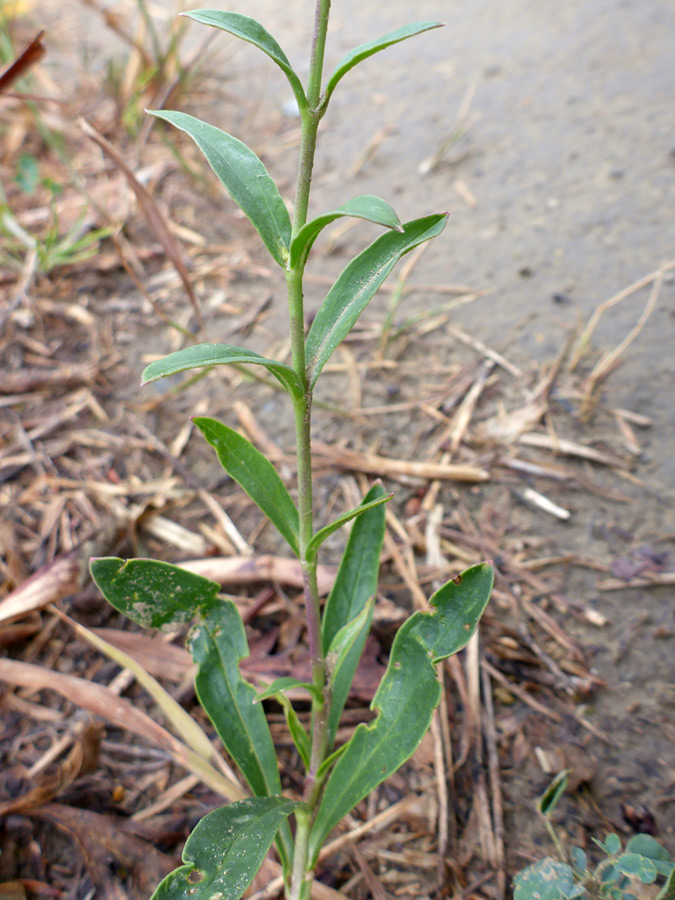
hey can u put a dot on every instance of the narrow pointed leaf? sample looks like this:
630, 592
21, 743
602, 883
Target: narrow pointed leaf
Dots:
226, 849
357, 284
357, 576
218, 644
551, 796
363, 51
325, 532
406, 697
300, 737
285, 684
153, 593
244, 177
249, 30
368, 207
343, 659
199, 355
256, 475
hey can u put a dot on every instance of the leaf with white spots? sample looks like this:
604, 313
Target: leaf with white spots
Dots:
225, 850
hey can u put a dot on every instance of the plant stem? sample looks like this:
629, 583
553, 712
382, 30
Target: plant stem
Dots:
302, 408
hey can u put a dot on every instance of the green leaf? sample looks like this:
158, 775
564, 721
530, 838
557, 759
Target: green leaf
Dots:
218, 644
200, 355
577, 890
300, 737
667, 892
549, 799
637, 866
545, 880
646, 845
368, 207
406, 697
256, 475
357, 284
612, 844
285, 684
363, 51
608, 874
579, 860
343, 660
249, 30
357, 576
153, 593
245, 178
325, 532
225, 850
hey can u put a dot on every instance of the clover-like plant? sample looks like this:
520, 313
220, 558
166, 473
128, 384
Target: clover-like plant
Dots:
228, 846
622, 873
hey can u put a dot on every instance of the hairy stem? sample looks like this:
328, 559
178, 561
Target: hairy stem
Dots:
302, 408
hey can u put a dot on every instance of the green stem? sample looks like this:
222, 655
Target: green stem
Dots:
302, 407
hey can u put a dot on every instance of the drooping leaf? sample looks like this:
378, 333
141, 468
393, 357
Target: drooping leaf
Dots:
284, 684
256, 475
636, 866
363, 51
199, 355
343, 659
406, 698
249, 30
153, 593
545, 880
357, 576
549, 799
218, 644
368, 207
245, 178
325, 532
357, 284
225, 850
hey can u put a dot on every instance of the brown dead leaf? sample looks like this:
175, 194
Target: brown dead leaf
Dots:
82, 759
100, 837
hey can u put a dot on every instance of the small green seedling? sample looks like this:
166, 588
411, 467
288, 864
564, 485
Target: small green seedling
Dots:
228, 846
621, 874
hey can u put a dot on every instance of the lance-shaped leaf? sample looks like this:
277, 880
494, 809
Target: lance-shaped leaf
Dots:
325, 532
343, 659
245, 178
249, 30
406, 697
218, 644
200, 355
153, 593
256, 475
363, 51
356, 580
357, 284
225, 850
368, 207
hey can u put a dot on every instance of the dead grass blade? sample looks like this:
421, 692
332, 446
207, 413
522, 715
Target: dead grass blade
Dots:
373, 464
182, 722
231, 570
105, 703
611, 359
24, 62
151, 211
